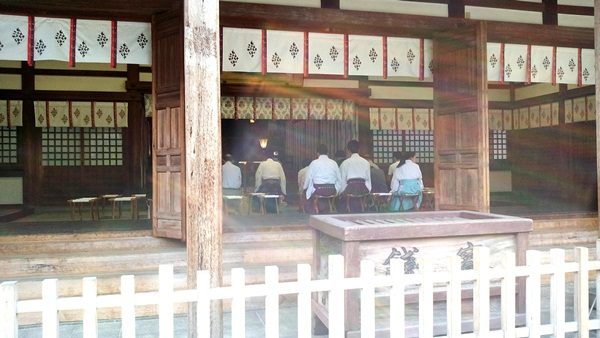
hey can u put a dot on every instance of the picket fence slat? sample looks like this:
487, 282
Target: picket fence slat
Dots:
203, 304
272, 302
454, 306
481, 294
165, 306
335, 288
8, 310
50, 310
367, 300
90, 322
238, 303
336, 305
397, 306
533, 293
581, 293
426, 298
128, 306
507, 296
557, 293
304, 301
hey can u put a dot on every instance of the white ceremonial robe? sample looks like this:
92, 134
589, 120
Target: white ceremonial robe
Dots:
232, 176
355, 167
270, 169
323, 170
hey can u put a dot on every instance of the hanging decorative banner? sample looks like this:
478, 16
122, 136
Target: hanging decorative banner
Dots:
515, 61
244, 107
93, 41
318, 109
81, 114
104, 114
523, 118
508, 122
579, 109
13, 37
134, 40
405, 118
493, 61
52, 38
335, 109
374, 118
58, 113
282, 108
403, 56
41, 118
534, 116
428, 58
568, 111
11, 113
326, 53
148, 105
545, 115
541, 64
121, 114
587, 67
515, 119
566, 65
242, 50
421, 119
264, 108
495, 119
387, 119
365, 55
285, 52
227, 107
591, 107
299, 108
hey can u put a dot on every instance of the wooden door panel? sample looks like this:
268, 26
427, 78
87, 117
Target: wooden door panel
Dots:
168, 130
460, 108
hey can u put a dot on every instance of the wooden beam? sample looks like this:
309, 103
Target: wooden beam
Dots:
285, 91
335, 4
456, 8
63, 95
332, 21
204, 218
514, 5
575, 10
550, 13
545, 35
562, 95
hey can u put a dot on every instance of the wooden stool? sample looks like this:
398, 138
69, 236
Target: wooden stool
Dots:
258, 196
414, 197
228, 198
428, 199
330, 201
76, 205
267, 197
381, 200
116, 206
103, 199
360, 198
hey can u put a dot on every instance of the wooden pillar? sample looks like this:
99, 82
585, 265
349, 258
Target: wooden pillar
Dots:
550, 14
135, 130
597, 58
365, 135
203, 148
29, 151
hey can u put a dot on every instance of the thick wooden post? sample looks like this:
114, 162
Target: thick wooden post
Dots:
203, 148
597, 56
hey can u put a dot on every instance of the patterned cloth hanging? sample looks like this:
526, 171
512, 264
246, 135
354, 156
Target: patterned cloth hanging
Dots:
326, 53
365, 55
285, 52
11, 113
51, 39
14, 31
80, 114
242, 50
133, 40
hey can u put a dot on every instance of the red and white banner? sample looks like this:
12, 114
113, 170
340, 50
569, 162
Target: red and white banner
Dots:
326, 54
14, 32
242, 50
515, 61
403, 57
566, 65
587, 67
365, 55
11, 113
134, 39
93, 42
285, 52
493, 61
52, 39
541, 64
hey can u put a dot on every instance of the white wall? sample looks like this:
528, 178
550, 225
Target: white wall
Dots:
12, 190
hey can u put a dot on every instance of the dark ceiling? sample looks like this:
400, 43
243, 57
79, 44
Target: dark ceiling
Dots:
136, 10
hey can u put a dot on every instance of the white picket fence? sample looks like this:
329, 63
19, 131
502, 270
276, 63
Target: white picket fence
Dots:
305, 288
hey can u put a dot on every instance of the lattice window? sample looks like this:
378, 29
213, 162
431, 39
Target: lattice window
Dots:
61, 147
385, 142
8, 145
498, 148
421, 142
82, 146
102, 146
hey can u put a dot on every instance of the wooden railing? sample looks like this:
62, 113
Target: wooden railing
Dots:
397, 285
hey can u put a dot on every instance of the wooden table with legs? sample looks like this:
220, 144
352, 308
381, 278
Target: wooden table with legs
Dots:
118, 201
76, 204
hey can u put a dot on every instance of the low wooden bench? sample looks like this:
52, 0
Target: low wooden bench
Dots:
229, 199
76, 203
118, 201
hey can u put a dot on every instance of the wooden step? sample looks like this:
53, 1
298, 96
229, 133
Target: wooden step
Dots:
562, 237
